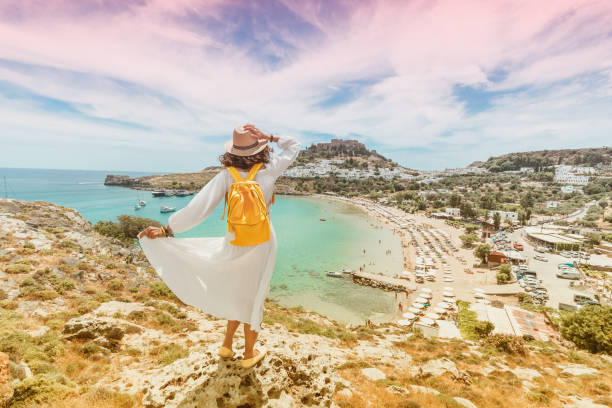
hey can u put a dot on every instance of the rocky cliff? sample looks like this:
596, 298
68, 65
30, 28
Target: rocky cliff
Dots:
84, 321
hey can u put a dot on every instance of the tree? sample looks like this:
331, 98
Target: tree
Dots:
590, 328
454, 201
468, 239
482, 251
503, 275
466, 210
496, 220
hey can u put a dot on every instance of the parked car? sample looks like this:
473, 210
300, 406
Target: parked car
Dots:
541, 258
568, 273
585, 299
541, 249
518, 246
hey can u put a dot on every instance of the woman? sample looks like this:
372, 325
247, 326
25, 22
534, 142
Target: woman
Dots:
227, 281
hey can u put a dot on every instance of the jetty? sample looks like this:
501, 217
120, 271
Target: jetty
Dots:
382, 281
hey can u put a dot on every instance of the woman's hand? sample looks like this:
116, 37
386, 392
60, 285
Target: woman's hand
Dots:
151, 232
256, 133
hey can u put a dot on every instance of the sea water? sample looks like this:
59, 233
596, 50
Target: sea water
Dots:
307, 246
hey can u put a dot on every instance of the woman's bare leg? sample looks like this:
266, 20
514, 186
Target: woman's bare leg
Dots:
232, 325
250, 336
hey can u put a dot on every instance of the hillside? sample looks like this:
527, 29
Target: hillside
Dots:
354, 154
588, 157
84, 321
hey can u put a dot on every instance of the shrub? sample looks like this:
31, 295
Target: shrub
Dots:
40, 389
506, 343
115, 285
483, 328
159, 289
169, 353
590, 328
18, 268
126, 229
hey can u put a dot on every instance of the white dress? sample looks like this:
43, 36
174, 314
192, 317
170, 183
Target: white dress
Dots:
227, 281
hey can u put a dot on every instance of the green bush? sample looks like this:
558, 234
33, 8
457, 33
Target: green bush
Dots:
169, 353
18, 268
590, 328
126, 229
40, 389
159, 289
483, 328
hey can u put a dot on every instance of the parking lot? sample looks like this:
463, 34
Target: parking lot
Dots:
558, 288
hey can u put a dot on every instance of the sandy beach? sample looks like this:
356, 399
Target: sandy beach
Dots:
453, 263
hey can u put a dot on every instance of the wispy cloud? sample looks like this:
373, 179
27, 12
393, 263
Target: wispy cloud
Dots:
431, 84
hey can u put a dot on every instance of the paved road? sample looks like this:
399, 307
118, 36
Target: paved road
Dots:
558, 289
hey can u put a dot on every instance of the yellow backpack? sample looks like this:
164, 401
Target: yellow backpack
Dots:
247, 215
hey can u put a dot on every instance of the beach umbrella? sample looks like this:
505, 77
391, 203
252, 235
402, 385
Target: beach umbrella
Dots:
448, 294
483, 301
420, 300
433, 316
409, 316
418, 305
444, 305
404, 322
426, 295
448, 288
448, 279
426, 321
448, 300
478, 290
414, 310
479, 295
426, 290
439, 310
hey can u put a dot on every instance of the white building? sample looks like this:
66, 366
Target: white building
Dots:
453, 212
526, 170
505, 215
567, 175
552, 204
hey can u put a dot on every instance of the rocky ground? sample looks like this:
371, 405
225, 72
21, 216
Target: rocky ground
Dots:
84, 321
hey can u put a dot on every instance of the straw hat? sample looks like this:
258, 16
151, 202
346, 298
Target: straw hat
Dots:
242, 144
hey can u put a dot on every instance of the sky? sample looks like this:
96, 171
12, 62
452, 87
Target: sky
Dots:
158, 85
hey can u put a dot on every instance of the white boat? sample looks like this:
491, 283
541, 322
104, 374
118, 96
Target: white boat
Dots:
165, 209
137, 207
142, 203
334, 274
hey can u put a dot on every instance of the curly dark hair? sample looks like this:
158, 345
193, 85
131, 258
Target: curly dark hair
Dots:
245, 162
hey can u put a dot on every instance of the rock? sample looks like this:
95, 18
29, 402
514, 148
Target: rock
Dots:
38, 332
423, 390
465, 402
345, 393
577, 370
435, 368
526, 373
201, 380
6, 391
71, 261
373, 374
125, 308
106, 331
396, 389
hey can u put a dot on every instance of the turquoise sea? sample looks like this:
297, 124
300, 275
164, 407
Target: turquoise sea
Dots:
307, 247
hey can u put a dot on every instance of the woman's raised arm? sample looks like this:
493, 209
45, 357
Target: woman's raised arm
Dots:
200, 206
291, 148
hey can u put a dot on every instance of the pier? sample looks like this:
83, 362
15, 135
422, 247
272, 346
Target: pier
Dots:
382, 281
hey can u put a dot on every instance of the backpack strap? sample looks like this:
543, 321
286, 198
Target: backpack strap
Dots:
224, 205
253, 171
232, 170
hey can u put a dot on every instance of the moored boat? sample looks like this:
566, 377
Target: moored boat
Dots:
158, 193
334, 274
165, 209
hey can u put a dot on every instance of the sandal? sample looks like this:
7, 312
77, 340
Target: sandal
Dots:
250, 362
225, 352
